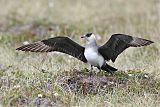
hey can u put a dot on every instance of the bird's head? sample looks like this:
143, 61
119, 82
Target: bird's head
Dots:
89, 37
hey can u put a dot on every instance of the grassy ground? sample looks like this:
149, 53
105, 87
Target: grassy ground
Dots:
30, 79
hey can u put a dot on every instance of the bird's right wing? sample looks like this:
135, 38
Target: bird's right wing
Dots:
118, 43
60, 44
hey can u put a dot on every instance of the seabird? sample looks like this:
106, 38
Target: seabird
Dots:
91, 53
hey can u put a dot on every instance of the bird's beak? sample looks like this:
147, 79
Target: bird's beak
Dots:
83, 36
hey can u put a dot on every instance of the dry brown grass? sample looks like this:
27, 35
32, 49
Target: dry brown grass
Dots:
20, 73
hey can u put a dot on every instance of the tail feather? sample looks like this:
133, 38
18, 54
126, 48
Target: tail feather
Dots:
108, 68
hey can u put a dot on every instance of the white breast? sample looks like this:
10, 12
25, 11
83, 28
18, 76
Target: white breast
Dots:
93, 57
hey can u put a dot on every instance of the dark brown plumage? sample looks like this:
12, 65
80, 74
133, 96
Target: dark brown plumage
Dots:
109, 51
61, 44
118, 43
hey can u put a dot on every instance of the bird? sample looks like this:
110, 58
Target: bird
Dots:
91, 53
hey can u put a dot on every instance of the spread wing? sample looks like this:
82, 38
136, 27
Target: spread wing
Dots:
60, 44
118, 43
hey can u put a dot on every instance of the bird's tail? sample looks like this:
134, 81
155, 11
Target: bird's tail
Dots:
108, 68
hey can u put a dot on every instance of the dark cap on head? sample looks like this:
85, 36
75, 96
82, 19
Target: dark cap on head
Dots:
88, 34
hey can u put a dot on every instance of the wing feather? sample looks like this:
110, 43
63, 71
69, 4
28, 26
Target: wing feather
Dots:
118, 43
60, 44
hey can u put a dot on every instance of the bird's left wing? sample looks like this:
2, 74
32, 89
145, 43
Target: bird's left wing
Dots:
60, 44
118, 43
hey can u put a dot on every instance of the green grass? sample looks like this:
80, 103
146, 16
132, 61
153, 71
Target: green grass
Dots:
25, 76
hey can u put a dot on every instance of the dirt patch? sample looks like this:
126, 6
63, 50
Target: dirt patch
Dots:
27, 29
85, 83
51, 91
22, 101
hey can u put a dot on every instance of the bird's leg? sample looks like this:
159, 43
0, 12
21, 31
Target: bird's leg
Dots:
90, 72
99, 69
91, 68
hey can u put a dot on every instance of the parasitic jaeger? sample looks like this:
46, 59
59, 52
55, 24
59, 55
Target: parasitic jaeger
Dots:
91, 53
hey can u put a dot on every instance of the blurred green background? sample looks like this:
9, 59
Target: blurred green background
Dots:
31, 20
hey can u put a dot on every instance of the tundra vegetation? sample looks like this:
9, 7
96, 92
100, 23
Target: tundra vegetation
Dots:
55, 79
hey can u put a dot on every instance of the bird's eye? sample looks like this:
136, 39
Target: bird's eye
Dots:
88, 34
